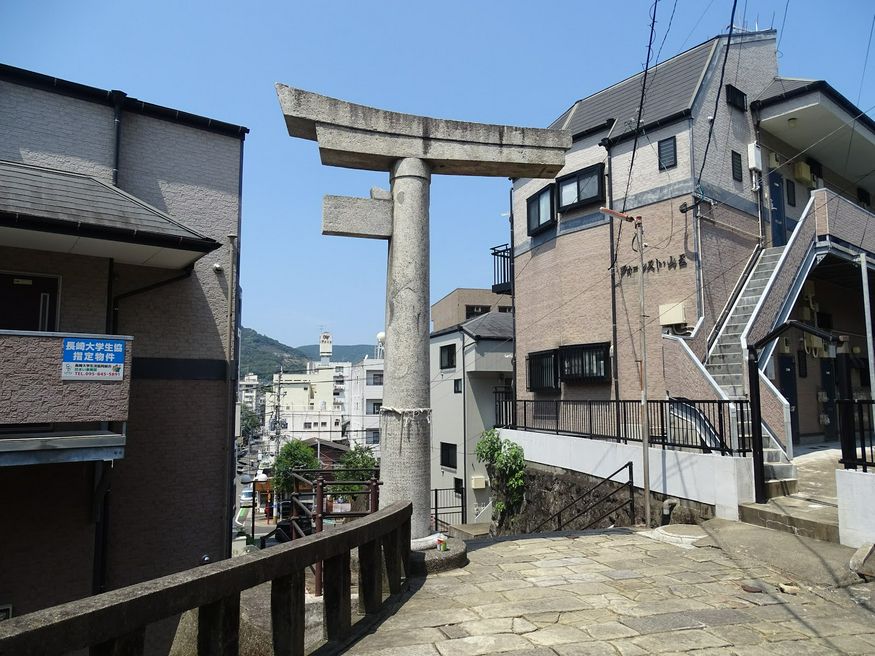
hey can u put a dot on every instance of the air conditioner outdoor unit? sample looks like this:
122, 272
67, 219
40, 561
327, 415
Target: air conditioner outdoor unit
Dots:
478, 482
802, 173
672, 314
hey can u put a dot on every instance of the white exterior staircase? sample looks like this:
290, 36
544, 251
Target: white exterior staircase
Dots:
726, 363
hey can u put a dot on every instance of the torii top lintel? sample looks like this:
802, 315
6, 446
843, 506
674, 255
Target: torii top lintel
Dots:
360, 137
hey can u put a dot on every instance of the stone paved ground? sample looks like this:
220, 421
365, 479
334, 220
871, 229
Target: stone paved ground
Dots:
614, 593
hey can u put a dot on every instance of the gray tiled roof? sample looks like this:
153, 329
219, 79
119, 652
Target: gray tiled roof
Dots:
62, 197
782, 85
671, 87
492, 325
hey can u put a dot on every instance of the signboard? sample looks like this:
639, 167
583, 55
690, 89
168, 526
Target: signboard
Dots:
91, 358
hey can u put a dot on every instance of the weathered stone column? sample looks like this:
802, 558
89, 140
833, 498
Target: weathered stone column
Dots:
405, 435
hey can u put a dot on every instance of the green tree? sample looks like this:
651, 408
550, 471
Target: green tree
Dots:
293, 455
357, 464
506, 465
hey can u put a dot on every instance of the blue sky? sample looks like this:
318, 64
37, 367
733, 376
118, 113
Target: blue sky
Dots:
514, 62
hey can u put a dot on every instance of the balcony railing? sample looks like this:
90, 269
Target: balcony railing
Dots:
502, 266
707, 426
115, 622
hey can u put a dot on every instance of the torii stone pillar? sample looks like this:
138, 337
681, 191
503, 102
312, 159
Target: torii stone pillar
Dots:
412, 149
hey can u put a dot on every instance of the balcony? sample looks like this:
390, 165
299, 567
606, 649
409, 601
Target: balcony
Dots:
502, 269
59, 392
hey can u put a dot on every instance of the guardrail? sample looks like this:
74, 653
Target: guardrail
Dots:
115, 622
708, 426
856, 433
321, 481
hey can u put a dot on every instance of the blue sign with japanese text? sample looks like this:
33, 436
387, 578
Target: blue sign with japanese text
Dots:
92, 358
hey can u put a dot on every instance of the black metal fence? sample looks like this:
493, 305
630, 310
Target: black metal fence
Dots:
448, 508
501, 269
855, 429
707, 426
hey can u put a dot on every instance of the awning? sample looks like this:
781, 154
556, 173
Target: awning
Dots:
51, 210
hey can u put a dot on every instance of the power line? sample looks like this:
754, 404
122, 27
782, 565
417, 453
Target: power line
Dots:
859, 95
719, 90
641, 101
783, 20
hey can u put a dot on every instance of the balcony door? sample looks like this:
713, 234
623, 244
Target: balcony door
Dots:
778, 216
28, 302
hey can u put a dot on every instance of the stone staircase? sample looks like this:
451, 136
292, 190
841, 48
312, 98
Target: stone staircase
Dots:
726, 364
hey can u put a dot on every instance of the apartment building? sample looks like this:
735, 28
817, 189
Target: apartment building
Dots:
365, 401
471, 367
249, 392
466, 303
309, 404
119, 315
754, 193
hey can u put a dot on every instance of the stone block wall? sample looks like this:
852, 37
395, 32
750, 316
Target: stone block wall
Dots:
550, 489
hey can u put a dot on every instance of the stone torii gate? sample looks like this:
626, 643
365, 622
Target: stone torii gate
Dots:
410, 148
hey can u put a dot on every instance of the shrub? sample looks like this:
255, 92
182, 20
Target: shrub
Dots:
506, 465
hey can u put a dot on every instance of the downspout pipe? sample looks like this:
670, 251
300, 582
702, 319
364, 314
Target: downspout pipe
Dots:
142, 290
513, 360
464, 431
118, 98
607, 145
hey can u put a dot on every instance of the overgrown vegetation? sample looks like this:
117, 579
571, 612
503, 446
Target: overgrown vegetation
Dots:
357, 464
506, 465
293, 455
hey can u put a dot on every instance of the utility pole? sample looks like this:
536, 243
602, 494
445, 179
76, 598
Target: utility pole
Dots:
644, 419
276, 406
642, 332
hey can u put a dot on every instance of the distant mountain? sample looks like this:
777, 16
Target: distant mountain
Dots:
350, 353
259, 354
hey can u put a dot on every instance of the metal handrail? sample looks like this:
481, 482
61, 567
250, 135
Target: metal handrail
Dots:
558, 515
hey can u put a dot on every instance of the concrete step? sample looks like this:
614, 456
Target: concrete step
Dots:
780, 470
791, 515
770, 454
728, 379
781, 487
730, 369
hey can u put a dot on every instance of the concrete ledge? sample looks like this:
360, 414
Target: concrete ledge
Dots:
433, 561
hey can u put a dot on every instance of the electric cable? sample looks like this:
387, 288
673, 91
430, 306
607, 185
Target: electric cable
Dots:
719, 91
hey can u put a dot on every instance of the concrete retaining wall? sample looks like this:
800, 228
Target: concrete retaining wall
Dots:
721, 481
855, 490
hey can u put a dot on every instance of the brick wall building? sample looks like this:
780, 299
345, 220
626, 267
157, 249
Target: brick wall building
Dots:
731, 162
118, 219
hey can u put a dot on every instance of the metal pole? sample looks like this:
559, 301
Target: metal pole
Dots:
756, 425
252, 510
867, 309
319, 507
645, 423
